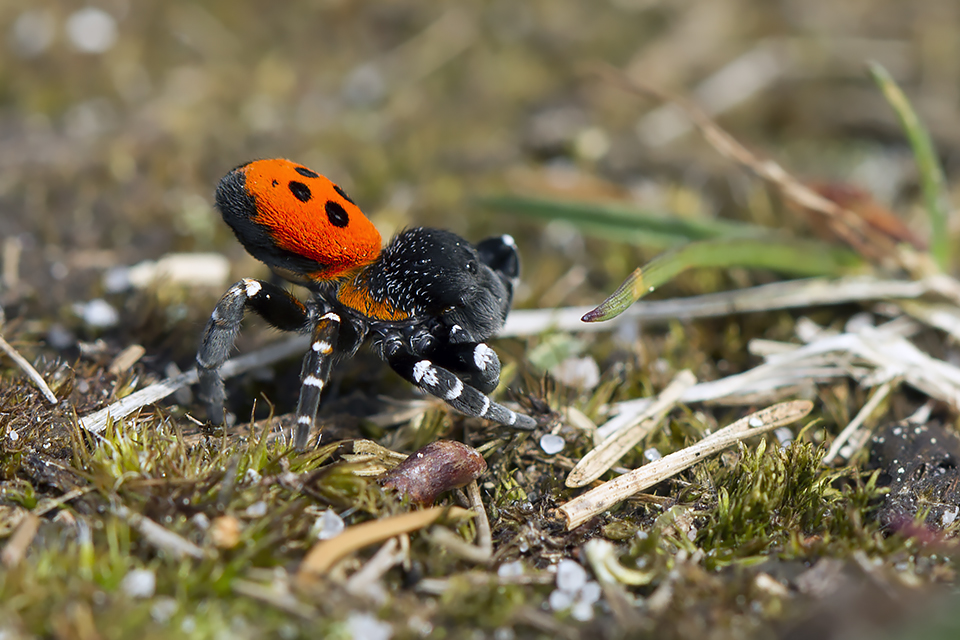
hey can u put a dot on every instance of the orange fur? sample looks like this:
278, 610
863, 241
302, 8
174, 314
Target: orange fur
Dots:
354, 295
303, 224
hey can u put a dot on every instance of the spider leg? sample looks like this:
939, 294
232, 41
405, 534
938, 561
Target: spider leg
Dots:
473, 362
315, 374
444, 384
272, 303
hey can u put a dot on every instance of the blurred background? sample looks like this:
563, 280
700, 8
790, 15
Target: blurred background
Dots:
117, 118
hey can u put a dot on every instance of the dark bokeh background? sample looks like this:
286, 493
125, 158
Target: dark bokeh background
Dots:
118, 117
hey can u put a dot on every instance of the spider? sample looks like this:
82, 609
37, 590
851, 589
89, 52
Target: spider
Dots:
428, 300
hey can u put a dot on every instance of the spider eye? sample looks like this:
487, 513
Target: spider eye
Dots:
471, 267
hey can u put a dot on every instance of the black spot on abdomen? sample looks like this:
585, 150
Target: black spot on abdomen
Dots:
343, 194
335, 213
307, 173
300, 191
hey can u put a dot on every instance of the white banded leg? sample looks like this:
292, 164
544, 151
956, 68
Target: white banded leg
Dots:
271, 302
315, 374
443, 384
474, 362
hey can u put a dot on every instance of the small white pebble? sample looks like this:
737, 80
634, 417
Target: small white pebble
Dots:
579, 373
201, 521
582, 611
652, 454
560, 600
504, 633
510, 569
364, 626
329, 525
552, 444
570, 576
949, 517
590, 592
92, 30
139, 583
97, 313
163, 608
784, 436
33, 33
13, 435
256, 510
755, 422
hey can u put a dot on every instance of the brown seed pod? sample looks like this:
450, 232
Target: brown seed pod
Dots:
437, 467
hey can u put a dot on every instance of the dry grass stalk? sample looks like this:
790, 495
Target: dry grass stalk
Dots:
865, 412
12, 250
159, 536
16, 547
49, 504
28, 369
97, 421
872, 356
640, 424
790, 294
126, 359
482, 551
484, 536
388, 556
274, 595
377, 458
327, 553
846, 224
597, 500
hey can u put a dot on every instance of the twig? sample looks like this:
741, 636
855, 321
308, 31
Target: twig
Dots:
593, 502
28, 369
779, 295
12, 249
327, 553
599, 459
454, 544
126, 359
383, 560
279, 597
484, 537
158, 535
16, 548
97, 421
47, 505
480, 552
865, 412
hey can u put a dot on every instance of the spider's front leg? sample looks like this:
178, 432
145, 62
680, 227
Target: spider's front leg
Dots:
272, 303
315, 374
444, 384
474, 363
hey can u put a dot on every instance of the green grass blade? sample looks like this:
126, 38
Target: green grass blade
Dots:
932, 182
622, 222
803, 258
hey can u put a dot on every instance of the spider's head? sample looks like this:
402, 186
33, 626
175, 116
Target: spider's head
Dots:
439, 273
299, 223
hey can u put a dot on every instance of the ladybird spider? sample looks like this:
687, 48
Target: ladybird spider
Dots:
428, 299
